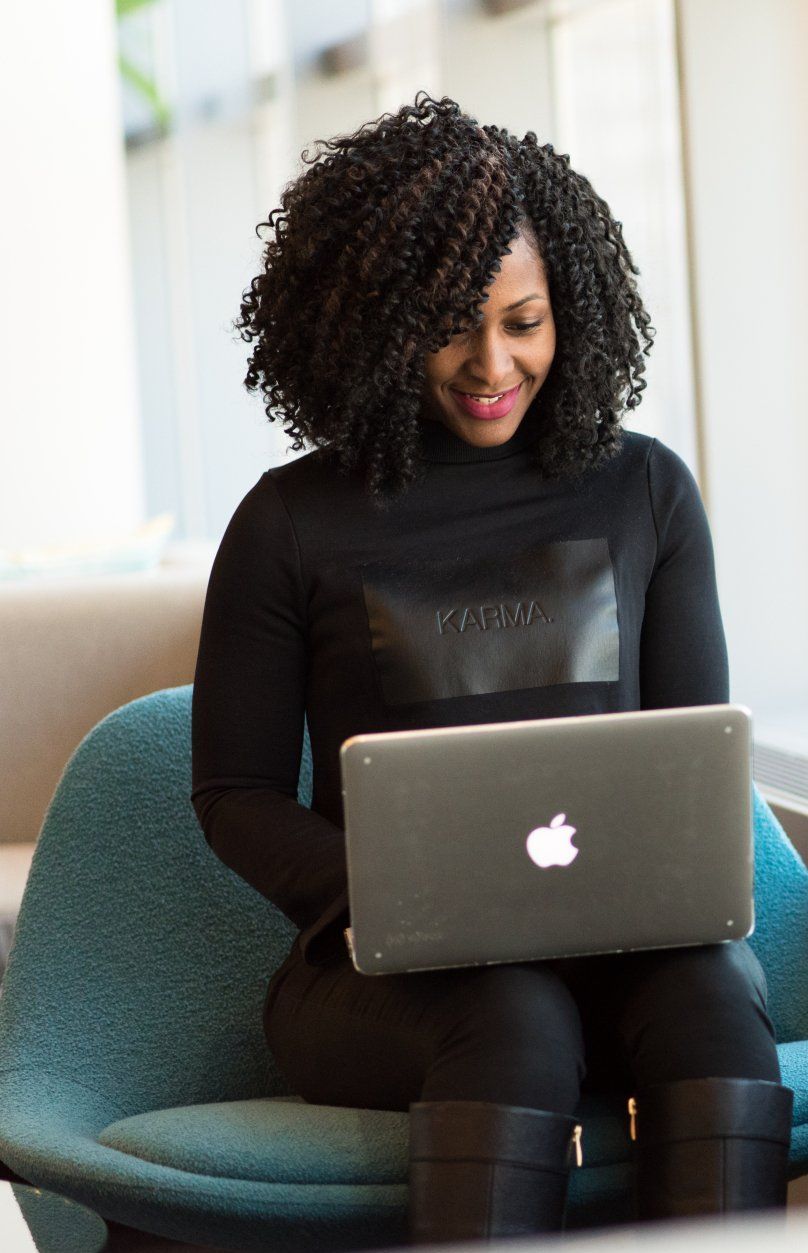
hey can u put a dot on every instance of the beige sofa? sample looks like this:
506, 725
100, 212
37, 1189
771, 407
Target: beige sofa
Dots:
72, 649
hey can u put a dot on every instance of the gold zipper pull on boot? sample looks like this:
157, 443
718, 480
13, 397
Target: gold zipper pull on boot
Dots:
576, 1139
632, 1113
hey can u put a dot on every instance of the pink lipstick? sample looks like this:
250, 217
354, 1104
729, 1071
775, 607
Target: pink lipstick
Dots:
493, 409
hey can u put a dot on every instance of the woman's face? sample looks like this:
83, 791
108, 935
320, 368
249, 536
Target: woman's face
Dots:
513, 347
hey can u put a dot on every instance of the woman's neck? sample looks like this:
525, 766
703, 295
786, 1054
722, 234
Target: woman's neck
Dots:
439, 443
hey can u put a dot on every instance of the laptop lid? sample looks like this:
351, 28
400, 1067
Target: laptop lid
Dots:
553, 837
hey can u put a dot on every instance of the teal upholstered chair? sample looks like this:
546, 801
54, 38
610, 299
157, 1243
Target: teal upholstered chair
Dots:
133, 1071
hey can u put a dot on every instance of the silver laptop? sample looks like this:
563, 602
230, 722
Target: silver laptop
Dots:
553, 837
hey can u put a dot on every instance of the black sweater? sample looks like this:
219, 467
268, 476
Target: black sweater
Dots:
484, 594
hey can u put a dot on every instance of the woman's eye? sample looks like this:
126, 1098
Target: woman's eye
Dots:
519, 327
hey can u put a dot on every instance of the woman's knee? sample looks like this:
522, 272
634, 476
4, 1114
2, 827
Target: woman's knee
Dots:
700, 1012
513, 1035
704, 975
522, 1003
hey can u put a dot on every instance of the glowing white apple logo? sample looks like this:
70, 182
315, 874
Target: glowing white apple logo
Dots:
552, 846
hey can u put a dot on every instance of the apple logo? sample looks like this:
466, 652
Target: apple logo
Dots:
552, 846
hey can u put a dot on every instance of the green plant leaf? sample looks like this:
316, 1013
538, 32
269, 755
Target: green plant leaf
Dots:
122, 7
146, 88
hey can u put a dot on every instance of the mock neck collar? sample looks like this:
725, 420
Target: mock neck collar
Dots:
438, 443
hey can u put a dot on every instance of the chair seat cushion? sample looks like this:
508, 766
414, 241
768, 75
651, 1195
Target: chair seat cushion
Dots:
286, 1140
272, 1139
793, 1059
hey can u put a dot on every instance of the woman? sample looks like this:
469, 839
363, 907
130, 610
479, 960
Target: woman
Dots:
449, 315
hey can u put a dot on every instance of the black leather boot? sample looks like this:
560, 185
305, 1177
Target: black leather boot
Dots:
480, 1170
711, 1146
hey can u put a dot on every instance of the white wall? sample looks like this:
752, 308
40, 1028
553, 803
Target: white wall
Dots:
617, 114
69, 444
745, 88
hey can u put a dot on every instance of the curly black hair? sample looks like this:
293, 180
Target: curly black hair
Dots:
381, 251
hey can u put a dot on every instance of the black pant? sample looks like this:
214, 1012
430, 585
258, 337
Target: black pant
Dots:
526, 1033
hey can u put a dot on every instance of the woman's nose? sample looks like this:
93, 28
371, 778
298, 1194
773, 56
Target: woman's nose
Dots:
491, 362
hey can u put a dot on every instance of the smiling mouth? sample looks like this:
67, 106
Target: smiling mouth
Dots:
484, 397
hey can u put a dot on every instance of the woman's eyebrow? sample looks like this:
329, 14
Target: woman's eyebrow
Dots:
523, 301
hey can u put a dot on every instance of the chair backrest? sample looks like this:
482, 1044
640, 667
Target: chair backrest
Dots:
780, 938
140, 961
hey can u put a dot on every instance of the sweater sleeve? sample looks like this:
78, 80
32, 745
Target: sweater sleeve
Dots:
248, 717
683, 651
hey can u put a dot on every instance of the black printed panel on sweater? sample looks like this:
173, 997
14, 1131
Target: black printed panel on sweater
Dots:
466, 626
